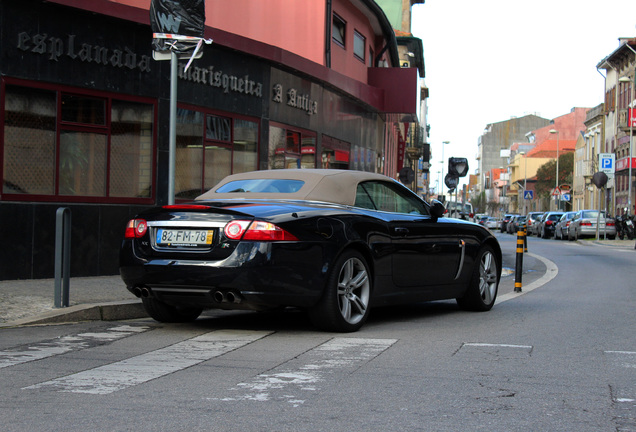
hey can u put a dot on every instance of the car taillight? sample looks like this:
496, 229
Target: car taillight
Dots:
256, 231
548, 222
610, 224
136, 228
584, 223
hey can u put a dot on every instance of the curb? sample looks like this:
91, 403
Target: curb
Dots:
111, 311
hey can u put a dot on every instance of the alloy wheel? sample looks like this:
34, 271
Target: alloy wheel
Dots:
488, 277
354, 290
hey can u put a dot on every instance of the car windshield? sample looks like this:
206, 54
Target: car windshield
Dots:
261, 185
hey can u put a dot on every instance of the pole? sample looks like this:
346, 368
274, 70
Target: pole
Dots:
62, 257
519, 262
443, 145
525, 183
631, 137
557, 197
172, 142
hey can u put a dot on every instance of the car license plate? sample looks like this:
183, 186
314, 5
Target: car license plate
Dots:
184, 237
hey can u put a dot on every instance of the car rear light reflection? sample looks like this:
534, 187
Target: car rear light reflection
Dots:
256, 231
136, 228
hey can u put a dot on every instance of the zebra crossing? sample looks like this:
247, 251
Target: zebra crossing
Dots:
293, 381
301, 373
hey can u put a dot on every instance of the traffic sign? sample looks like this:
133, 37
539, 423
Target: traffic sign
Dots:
606, 162
556, 192
528, 195
566, 197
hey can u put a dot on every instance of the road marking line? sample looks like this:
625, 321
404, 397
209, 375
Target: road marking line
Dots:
145, 367
315, 365
498, 345
66, 344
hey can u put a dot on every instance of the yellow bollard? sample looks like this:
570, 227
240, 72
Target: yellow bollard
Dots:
519, 264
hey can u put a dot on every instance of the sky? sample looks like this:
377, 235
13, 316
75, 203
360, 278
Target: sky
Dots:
487, 61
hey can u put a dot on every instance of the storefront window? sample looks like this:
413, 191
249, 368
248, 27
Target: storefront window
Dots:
218, 164
218, 128
189, 154
291, 149
131, 151
82, 164
29, 141
211, 147
335, 153
245, 155
83, 110
90, 142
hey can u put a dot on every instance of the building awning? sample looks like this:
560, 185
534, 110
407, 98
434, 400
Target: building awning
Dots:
400, 87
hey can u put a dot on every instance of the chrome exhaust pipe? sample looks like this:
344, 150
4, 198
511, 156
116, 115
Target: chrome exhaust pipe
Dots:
219, 297
136, 291
145, 292
233, 298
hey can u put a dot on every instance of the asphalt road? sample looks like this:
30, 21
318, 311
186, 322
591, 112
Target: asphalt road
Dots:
559, 357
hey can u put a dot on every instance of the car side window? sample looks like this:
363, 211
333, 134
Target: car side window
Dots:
387, 197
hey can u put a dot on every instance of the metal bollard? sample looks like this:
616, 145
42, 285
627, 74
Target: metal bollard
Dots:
62, 256
519, 263
525, 238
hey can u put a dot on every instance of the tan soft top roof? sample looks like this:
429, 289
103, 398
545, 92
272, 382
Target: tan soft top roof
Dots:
329, 185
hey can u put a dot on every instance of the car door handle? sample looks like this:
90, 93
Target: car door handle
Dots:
401, 231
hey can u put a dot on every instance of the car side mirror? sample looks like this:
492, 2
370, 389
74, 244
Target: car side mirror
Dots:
437, 209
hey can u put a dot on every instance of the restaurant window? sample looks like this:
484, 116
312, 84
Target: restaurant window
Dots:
103, 151
359, 43
335, 153
291, 148
211, 147
338, 30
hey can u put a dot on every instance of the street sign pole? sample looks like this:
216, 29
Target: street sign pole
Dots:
172, 142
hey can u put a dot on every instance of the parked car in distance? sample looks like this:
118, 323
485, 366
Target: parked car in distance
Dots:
492, 223
505, 220
330, 242
584, 223
481, 218
562, 226
533, 220
548, 222
458, 210
515, 223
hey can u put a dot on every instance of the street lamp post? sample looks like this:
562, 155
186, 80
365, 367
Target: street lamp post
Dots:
556, 186
442, 185
525, 181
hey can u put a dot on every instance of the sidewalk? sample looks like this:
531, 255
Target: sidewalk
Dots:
31, 301
28, 302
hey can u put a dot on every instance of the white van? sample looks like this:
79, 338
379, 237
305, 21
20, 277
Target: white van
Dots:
455, 210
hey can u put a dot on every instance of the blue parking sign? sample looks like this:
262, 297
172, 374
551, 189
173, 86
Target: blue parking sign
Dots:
606, 162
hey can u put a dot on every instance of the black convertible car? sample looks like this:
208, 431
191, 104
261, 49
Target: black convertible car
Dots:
333, 242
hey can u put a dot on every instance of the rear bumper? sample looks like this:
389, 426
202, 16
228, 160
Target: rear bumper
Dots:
256, 276
591, 231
